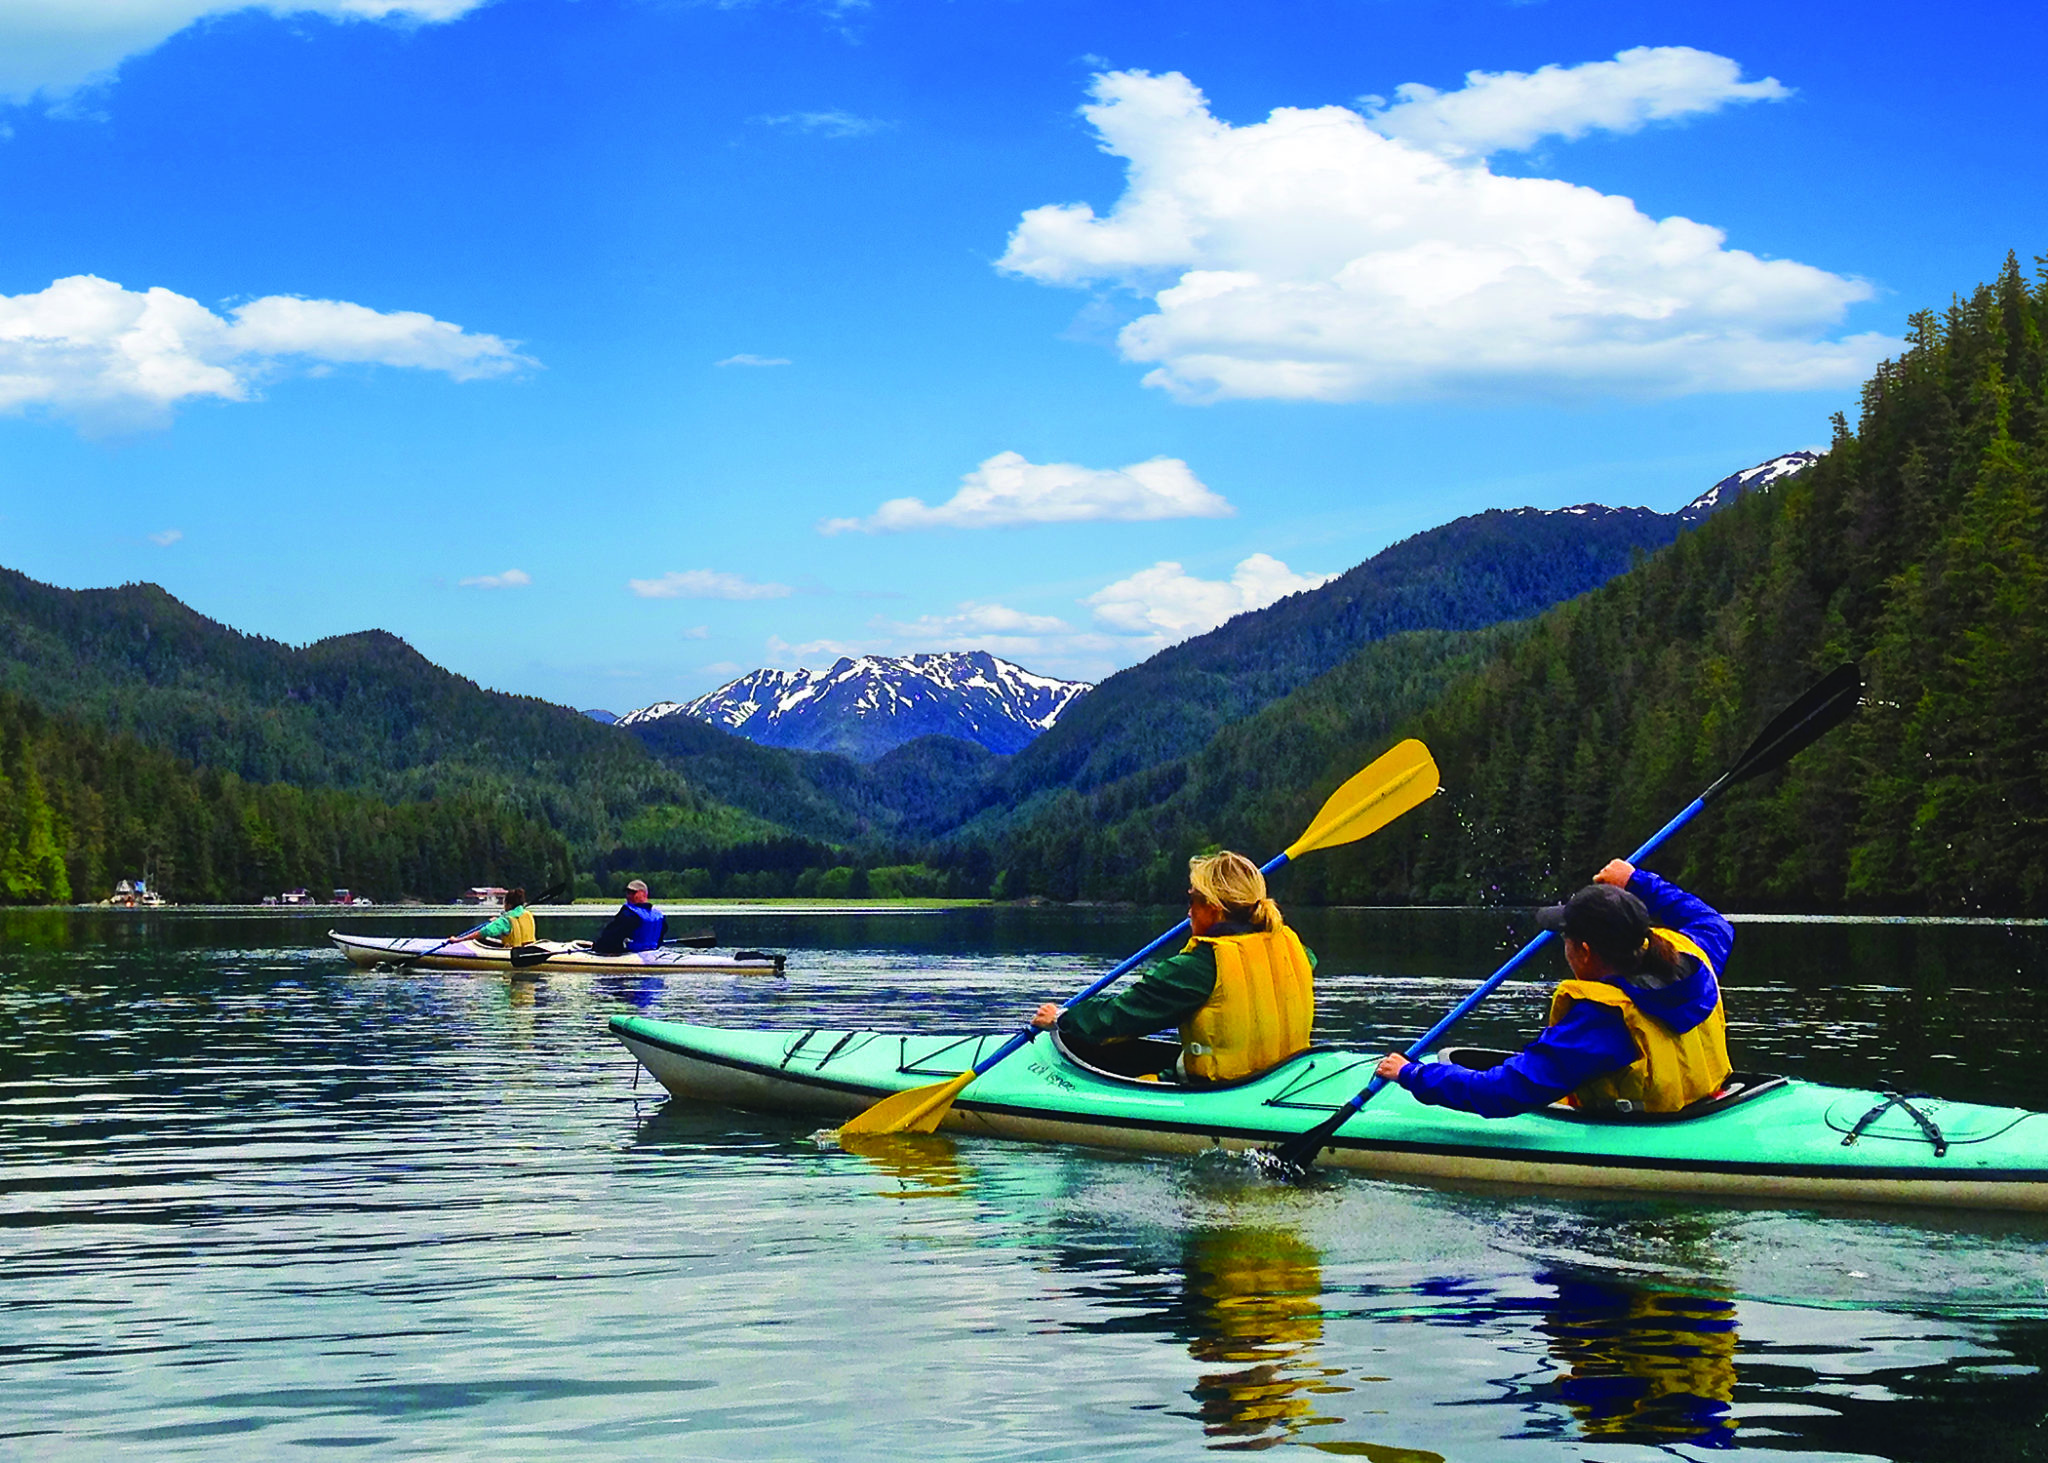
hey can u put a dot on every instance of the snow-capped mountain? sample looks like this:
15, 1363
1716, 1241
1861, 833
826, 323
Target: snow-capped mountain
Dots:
1750, 480
867, 705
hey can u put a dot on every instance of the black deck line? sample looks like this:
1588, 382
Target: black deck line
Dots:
1364, 1145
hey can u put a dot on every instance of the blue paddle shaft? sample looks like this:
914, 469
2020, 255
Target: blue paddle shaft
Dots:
1516, 961
1024, 1037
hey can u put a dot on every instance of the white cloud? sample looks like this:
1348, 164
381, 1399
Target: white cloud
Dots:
825, 124
56, 46
167, 537
811, 653
334, 330
1038, 642
510, 579
1168, 604
974, 619
1512, 110
1314, 256
91, 350
705, 584
1007, 490
746, 359
695, 632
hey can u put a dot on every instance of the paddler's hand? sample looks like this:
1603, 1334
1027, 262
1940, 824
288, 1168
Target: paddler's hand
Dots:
1390, 1066
1618, 872
1046, 1016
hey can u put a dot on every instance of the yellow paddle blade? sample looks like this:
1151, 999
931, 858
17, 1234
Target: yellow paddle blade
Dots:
1405, 778
916, 1111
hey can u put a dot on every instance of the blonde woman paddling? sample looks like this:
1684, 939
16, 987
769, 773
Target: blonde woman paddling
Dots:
1242, 992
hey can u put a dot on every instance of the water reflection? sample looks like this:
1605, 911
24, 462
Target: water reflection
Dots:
637, 991
1627, 1363
922, 1165
1641, 1365
1254, 1304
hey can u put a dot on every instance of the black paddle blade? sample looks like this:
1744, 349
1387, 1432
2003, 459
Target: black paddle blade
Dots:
529, 955
1293, 1157
701, 940
1830, 702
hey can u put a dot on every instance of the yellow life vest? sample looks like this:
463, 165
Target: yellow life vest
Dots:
521, 932
1261, 1011
1671, 1070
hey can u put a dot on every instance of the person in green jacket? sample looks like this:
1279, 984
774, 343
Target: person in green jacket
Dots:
514, 927
1241, 992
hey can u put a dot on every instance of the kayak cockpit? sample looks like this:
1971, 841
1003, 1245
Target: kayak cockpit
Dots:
1740, 1087
1150, 1061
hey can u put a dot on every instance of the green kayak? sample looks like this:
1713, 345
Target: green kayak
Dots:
1764, 1137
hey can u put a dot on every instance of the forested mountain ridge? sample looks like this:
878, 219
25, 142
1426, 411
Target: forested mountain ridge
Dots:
1252, 787
81, 807
362, 712
1917, 546
1504, 564
918, 790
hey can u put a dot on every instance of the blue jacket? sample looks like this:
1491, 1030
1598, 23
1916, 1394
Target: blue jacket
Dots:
634, 927
1592, 1040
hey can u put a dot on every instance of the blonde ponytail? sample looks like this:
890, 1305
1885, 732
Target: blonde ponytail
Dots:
1233, 883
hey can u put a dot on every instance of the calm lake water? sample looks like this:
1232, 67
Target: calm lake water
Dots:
259, 1205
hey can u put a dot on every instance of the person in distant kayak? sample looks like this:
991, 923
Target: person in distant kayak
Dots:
1639, 1025
1242, 992
637, 926
514, 927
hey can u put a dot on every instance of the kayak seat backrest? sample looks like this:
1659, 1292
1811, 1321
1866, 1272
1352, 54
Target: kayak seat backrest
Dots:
1134, 1059
1739, 1088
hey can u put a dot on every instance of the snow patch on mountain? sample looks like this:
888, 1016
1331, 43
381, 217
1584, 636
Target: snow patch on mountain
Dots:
868, 705
1756, 479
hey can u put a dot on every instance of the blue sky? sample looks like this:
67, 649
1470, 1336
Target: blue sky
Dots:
604, 349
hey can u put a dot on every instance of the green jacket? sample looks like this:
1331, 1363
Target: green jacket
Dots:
1159, 1000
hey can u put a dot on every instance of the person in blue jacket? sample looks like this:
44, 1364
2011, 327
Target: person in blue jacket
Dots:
637, 926
1638, 1027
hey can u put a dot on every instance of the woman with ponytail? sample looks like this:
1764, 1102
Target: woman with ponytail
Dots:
1638, 1027
1242, 991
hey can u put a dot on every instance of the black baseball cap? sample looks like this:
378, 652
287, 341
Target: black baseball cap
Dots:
1610, 920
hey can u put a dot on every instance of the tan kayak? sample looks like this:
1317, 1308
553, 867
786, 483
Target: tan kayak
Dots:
548, 957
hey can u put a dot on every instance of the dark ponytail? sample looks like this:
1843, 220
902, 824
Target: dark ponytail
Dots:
1658, 964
